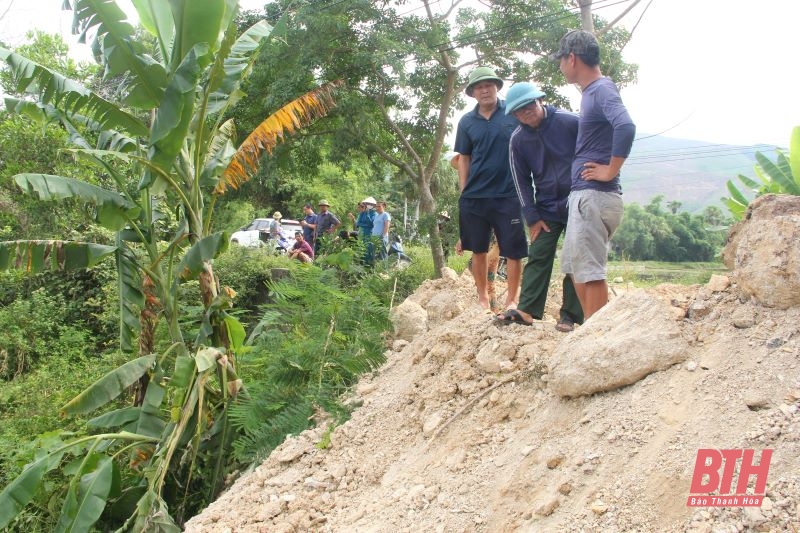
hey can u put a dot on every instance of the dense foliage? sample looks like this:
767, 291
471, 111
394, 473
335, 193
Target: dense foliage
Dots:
160, 154
653, 233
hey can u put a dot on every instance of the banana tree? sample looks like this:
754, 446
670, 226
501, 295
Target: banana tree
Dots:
166, 120
781, 176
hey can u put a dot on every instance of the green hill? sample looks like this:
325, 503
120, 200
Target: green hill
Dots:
691, 172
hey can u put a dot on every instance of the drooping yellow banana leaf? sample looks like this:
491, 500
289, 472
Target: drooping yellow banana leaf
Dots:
286, 121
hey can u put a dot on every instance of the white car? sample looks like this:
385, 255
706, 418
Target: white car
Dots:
257, 233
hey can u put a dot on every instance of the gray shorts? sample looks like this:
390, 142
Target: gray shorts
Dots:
593, 218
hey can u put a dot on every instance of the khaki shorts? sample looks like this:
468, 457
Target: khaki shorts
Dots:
594, 216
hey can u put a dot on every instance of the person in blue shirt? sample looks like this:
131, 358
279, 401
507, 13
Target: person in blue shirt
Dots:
488, 200
380, 229
541, 152
605, 138
309, 223
364, 221
363, 224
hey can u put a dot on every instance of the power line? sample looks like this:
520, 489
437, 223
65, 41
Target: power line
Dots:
701, 146
677, 157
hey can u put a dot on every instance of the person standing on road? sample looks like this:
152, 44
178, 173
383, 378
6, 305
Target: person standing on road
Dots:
488, 200
541, 153
605, 138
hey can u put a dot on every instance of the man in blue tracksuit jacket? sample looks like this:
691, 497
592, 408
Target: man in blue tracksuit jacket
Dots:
541, 152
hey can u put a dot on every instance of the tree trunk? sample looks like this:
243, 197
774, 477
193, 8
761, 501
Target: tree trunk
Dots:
148, 320
427, 205
586, 15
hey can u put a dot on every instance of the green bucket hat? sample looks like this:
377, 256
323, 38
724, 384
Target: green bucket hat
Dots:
480, 74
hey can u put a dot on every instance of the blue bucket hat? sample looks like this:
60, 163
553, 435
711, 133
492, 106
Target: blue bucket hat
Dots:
521, 94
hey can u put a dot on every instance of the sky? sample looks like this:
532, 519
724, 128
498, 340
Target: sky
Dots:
720, 71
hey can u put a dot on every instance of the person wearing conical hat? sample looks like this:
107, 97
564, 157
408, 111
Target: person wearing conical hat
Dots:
275, 225
327, 223
488, 201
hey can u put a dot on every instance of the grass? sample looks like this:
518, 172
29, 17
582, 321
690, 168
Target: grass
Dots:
650, 273
640, 273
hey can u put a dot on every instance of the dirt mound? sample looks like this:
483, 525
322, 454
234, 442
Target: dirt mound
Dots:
461, 429
442, 445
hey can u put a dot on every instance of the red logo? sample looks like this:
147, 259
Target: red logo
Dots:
707, 478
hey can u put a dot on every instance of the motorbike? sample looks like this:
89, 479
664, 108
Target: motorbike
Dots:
396, 252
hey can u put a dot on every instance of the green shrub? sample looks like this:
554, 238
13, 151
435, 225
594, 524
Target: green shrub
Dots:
310, 345
247, 271
29, 416
35, 328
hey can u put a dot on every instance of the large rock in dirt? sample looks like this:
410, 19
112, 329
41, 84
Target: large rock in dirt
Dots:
409, 320
442, 308
625, 341
763, 251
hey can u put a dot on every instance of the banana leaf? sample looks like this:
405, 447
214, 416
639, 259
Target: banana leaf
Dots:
286, 121
155, 17
68, 95
220, 152
791, 183
37, 256
203, 250
777, 175
749, 183
41, 114
152, 515
150, 422
199, 22
109, 386
44, 114
174, 114
131, 297
116, 418
143, 78
736, 193
86, 499
20, 492
113, 211
236, 332
232, 64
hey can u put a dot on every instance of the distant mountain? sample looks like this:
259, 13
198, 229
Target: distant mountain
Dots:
691, 172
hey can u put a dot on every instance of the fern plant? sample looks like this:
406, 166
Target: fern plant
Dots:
310, 346
781, 176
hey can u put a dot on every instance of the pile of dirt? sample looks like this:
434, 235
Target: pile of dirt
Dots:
476, 426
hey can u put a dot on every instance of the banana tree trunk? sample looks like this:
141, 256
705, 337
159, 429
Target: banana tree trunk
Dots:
148, 320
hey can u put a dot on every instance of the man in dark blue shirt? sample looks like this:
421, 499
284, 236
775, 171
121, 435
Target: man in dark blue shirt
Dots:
309, 224
541, 153
488, 200
605, 138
